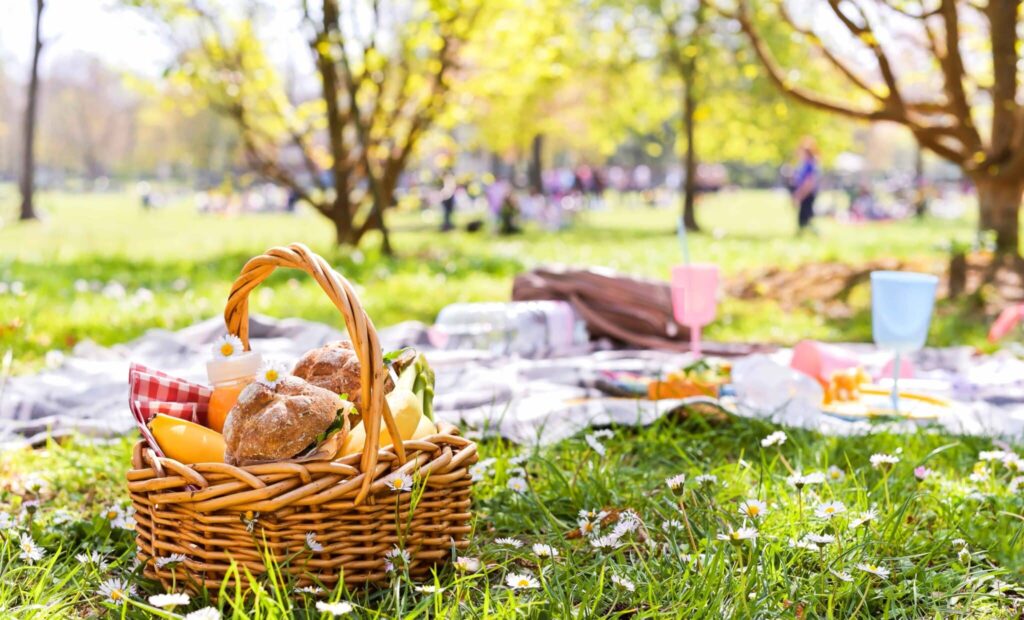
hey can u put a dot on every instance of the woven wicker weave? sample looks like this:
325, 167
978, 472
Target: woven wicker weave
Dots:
215, 514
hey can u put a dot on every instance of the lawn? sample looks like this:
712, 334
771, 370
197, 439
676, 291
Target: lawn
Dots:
859, 541
931, 528
100, 268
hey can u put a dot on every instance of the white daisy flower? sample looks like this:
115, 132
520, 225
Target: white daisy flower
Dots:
174, 558
980, 474
478, 472
545, 551
271, 373
628, 522
595, 444
676, 482
958, 542
799, 480
335, 609
401, 555
1013, 462
834, 474
992, 455
228, 345
964, 555
513, 472
878, 571
116, 590
467, 564
400, 482
739, 535
862, 518
311, 542
314, 590
827, 510
605, 542
521, 581
165, 601
775, 439
671, 524
517, 484
820, 539
624, 583
519, 459
842, 576
753, 508
706, 479
206, 613
588, 527
429, 589
93, 557
804, 544
509, 542
883, 461
6, 522
29, 551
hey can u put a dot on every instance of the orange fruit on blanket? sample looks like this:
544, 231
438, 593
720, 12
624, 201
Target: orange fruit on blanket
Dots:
186, 441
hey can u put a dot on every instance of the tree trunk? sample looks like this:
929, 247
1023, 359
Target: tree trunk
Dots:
920, 199
690, 162
998, 207
536, 164
28, 164
341, 216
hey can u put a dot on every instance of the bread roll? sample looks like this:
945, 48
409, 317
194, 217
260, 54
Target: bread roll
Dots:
334, 367
274, 424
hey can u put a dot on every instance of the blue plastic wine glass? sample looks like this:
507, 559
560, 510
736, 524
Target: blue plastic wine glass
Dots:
901, 312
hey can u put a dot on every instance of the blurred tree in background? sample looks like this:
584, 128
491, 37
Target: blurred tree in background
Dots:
384, 69
947, 70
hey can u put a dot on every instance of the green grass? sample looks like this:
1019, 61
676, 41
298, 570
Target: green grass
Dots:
185, 263
679, 570
60, 496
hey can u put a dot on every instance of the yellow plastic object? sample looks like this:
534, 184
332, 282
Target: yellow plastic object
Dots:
186, 441
407, 409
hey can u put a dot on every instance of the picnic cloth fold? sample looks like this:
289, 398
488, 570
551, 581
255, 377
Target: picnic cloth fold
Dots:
526, 401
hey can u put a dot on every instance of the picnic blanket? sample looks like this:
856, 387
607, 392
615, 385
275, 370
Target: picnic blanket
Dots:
525, 401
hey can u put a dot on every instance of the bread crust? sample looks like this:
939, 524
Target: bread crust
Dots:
273, 424
334, 367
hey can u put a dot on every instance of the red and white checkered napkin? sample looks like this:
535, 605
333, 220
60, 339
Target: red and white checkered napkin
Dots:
152, 392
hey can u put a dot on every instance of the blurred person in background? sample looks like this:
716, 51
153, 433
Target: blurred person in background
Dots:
805, 183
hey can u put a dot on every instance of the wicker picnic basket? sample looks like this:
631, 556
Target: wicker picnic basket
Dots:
216, 514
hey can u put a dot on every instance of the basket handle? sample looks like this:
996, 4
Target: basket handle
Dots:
360, 330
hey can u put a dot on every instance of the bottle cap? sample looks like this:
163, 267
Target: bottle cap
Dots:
232, 368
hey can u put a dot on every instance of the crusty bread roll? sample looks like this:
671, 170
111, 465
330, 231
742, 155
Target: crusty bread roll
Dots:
273, 424
334, 367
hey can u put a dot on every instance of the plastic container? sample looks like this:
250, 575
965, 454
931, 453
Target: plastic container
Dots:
531, 329
229, 377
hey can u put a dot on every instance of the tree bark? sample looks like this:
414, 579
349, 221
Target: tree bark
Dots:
28, 163
920, 199
690, 162
998, 209
536, 169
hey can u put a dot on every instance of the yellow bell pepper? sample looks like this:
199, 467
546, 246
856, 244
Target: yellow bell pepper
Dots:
186, 441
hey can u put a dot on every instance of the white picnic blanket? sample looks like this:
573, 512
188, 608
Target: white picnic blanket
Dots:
525, 401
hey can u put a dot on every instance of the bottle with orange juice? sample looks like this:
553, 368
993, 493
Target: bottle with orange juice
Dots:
229, 376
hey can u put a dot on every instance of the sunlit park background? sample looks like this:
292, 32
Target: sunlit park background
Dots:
432, 150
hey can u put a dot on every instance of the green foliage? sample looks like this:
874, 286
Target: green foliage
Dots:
186, 261
951, 543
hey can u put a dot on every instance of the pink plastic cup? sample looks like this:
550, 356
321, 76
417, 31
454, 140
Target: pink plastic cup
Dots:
694, 298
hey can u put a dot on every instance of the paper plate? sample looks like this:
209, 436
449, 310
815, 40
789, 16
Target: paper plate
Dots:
876, 403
